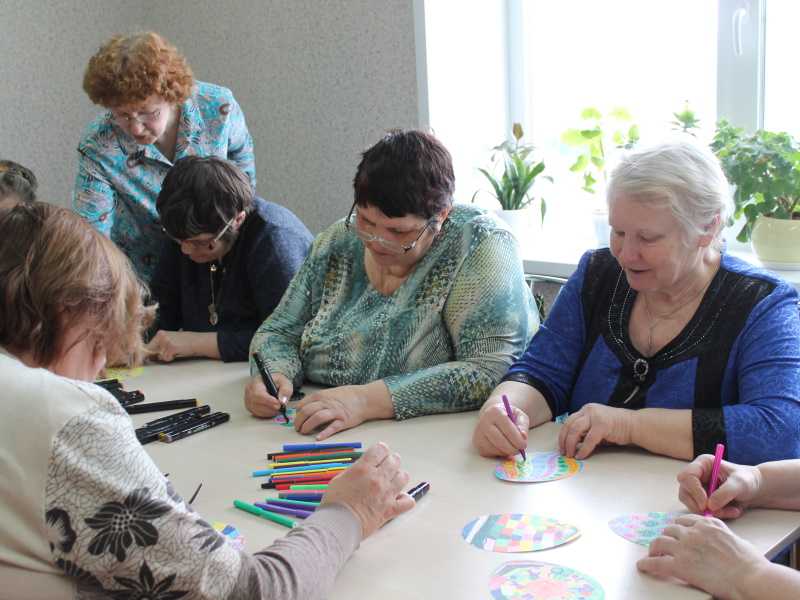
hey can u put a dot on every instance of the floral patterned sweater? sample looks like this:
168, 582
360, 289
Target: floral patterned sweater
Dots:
87, 514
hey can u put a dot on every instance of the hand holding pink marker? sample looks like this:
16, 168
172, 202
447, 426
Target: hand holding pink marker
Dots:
513, 420
712, 483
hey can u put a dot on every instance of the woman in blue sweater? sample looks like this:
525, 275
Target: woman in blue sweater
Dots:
230, 258
662, 341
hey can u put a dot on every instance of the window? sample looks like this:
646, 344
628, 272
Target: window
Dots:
490, 64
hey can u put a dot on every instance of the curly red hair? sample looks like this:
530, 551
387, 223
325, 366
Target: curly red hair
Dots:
131, 68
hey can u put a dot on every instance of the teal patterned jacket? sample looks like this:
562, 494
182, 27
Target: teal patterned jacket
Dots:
119, 180
440, 342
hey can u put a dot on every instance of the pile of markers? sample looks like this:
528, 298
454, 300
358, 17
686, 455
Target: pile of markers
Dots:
300, 474
166, 429
180, 425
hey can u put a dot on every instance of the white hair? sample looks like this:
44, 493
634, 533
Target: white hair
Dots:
680, 174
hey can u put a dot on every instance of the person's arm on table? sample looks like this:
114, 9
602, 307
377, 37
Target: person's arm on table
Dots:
166, 345
165, 544
278, 342
540, 381
706, 554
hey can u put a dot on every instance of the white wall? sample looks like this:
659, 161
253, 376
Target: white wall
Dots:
319, 81
43, 110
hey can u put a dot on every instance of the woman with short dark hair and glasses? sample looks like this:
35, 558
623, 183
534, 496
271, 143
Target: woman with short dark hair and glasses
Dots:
409, 306
156, 113
229, 257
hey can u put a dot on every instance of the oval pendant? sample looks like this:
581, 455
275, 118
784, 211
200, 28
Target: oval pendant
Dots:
213, 318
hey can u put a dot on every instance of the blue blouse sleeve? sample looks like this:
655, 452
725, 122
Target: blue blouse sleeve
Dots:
94, 198
240, 143
551, 361
765, 423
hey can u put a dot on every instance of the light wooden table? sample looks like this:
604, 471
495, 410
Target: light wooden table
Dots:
421, 554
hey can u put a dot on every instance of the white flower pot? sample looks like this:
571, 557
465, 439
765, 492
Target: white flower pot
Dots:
776, 243
523, 223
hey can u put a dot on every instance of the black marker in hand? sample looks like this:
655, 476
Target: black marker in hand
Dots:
272, 389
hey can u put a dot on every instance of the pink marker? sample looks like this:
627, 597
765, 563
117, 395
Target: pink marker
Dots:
513, 420
712, 483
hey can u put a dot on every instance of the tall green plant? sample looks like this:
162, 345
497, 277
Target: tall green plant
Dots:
765, 168
598, 134
520, 170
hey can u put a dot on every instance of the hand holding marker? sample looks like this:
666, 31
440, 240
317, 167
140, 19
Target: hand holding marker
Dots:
269, 383
510, 414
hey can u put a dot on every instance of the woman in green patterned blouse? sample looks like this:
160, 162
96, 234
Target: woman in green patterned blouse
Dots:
410, 306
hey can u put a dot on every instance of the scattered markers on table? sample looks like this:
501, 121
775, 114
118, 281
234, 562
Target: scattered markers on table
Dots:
235, 538
517, 533
529, 580
642, 528
538, 467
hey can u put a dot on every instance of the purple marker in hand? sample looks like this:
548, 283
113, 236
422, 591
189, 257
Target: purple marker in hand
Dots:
513, 420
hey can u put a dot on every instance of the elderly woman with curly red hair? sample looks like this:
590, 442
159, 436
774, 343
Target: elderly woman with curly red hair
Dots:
157, 113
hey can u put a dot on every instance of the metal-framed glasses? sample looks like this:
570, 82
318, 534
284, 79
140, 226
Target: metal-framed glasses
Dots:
389, 245
145, 118
200, 244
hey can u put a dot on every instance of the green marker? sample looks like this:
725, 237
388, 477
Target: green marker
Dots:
336, 455
264, 514
309, 486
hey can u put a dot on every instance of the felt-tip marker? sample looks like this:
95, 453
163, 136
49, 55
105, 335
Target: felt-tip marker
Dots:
158, 406
269, 383
208, 422
419, 490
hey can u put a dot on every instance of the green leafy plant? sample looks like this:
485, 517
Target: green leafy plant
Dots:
597, 135
520, 170
686, 120
765, 168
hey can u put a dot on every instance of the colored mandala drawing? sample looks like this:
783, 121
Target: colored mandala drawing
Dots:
122, 373
290, 412
539, 466
642, 528
517, 533
235, 539
527, 580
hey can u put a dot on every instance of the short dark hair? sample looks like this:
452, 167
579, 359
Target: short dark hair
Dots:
201, 194
16, 180
406, 172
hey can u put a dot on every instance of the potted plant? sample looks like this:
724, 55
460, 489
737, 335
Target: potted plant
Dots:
513, 189
765, 168
594, 140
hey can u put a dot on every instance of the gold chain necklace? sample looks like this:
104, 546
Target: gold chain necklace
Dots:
655, 321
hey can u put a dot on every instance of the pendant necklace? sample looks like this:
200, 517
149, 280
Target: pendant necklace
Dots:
213, 316
655, 321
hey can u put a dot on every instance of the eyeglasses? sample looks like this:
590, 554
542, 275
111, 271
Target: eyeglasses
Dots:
388, 245
145, 118
201, 244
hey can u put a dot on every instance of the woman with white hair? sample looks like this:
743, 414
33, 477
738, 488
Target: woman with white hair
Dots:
662, 341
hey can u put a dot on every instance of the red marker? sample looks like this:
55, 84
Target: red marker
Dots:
712, 483
513, 420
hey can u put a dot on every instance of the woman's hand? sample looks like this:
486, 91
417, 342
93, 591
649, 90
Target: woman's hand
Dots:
703, 552
591, 425
372, 488
737, 487
166, 346
495, 434
335, 409
258, 401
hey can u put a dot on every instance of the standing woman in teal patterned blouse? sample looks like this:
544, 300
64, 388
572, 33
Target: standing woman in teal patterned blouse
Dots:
410, 306
157, 113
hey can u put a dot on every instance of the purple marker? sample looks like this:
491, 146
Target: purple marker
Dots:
295, 512
301, 496
513, 420
311, 506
